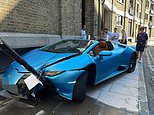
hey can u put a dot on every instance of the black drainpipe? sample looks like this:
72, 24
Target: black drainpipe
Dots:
98, 29
134, 18
125, 15
111, 15
103, 20
60, 19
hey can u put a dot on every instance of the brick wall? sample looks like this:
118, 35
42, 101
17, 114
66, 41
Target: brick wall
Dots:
71, 17
30, 16
41, 16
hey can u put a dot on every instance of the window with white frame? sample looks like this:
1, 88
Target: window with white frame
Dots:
119, 20
121, 1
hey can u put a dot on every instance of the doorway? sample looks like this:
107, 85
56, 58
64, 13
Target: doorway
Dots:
83, 13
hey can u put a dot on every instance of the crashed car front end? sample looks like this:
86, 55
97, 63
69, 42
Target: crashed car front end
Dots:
13, 82
42, 68
62, 81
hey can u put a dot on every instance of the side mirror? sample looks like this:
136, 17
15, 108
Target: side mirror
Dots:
105, 53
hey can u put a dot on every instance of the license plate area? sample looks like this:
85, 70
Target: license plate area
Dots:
32, 81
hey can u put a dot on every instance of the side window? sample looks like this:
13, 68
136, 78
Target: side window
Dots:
101, 47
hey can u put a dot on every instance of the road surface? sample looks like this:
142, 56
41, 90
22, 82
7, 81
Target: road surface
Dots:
148, 63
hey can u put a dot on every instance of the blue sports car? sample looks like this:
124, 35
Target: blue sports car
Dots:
67, 66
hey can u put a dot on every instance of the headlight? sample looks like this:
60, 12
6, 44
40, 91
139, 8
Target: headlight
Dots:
53, 73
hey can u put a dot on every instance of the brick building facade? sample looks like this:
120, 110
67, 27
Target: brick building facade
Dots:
41, 16
130, 15
55, 17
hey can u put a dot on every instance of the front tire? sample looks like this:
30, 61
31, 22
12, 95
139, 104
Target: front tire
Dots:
80, 87
132, 63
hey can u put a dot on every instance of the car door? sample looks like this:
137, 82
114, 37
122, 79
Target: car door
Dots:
106, 65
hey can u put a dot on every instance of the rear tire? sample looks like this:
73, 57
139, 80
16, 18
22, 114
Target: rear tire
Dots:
132, 63
80, 87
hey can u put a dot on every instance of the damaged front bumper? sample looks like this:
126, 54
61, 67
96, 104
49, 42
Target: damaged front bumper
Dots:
63, 84
20, 88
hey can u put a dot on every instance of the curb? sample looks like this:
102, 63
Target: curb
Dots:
143, 99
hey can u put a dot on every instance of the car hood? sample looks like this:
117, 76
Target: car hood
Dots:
75, 63
37, 58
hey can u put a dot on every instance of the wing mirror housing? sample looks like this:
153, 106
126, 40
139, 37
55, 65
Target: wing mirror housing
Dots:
105, 53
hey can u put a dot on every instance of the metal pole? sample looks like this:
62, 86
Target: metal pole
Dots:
98, 17
103, 20
134, 18
112, 15
60, 18
125, 14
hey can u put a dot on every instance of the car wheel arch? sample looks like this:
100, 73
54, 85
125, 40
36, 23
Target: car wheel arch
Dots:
134, 57
91, 69
135, 54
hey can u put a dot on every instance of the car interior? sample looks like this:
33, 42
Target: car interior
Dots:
103, 46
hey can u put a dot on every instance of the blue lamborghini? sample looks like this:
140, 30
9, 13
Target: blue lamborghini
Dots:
68, 66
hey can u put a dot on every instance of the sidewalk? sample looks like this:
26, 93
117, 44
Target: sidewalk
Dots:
124, 91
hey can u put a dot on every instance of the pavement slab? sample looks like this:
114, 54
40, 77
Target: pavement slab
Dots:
131, 82
96, 91
119, 101
124, 90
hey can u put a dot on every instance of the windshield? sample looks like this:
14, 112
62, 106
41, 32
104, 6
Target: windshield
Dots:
67, 46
